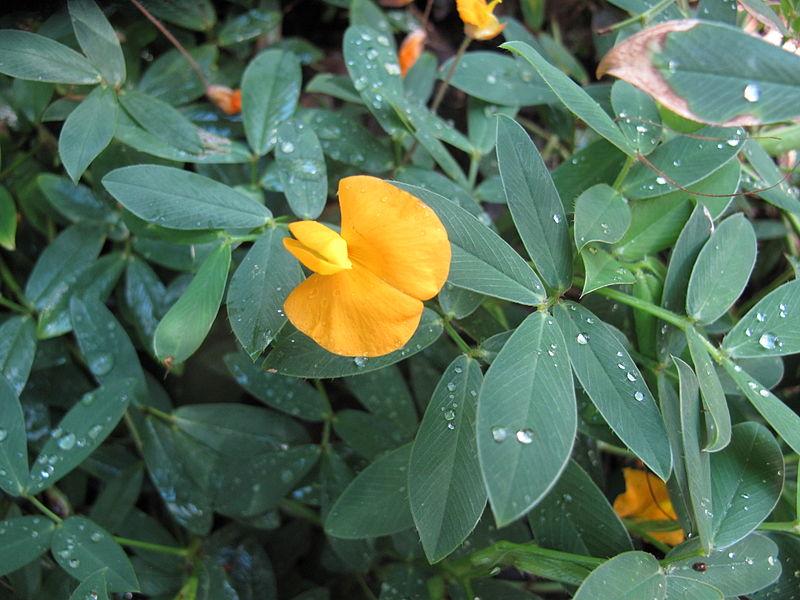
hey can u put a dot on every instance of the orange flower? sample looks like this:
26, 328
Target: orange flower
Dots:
228, 100
410, 50
646, 499
479, 20
365, 296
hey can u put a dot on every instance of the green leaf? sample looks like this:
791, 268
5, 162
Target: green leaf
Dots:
573, 97
745, 567
782, 418
286, 394
183, 200
444, 482
601, 215
17, 349
746, 479
171, 78
117, 498
98, 40
29, 55
576, 517
769, 175
499, 79
630, 575
182, 496
238, 429
23, 540
13, 442
685, 160
82, 547
376, 501
679, 588
144, 298
698, 474
789, 555
599, 162
60, 264
770, 328
527, 418
87, 131
718, 419
258, 289
162, 120
301, 168
8, 220
603, 270
298, 355
615, 386
270, 90
384, 392
250, 25
187, 323
94, 587
535, 205
105, 346
367, 434
457, 302
654, 226
722, 269
637, 116
197, 15
75, 202
481, 261
82, 429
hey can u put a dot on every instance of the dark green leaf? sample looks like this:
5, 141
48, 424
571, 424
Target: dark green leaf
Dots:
287, 394
298, 355
535, 205
527, 417
601, 215
270, 89
746, 479
301, 168
630, 575
17, 349
789, 555
769, 174
679, 588
87, 131
603, 270
145, 298
369, 435
94, 587
598, 162
445, 486
616, 387
482, 261
258, 289
8, 220
654, 225
576, 517
75, 202
183, 200
32, 56
171, 78
82, 429
22, 540
249, 25
745, 567
499, 79
187, 323
98, 40
384, 392
117, 498
722, 269
770, 328
197, 15
13, 442
376, 501
82, 547
162, 120
637, 116
718, 420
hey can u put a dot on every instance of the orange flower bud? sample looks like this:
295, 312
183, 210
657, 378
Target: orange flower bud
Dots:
228, 100
646, 499
410, 50
479, 20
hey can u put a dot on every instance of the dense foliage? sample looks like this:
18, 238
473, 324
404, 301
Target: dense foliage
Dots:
600, 403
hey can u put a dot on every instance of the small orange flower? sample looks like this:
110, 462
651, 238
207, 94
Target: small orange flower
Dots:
646, 499
479, 20
228, 100
365, 296
411, 49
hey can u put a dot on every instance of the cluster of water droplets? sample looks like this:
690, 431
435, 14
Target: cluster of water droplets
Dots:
766, 339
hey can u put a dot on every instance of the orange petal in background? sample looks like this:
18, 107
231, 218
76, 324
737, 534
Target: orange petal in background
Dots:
353, 313
394, 235
646, 499
228, 100
411, 49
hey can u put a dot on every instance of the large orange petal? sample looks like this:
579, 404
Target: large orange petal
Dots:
394, 235
353, 313
637, 497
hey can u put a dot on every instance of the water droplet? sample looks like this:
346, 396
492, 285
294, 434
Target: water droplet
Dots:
733, 142
761, 317
67, 442
751, 92
676, 163
287, 147
768, 341
450, 426
660, 180
451, 387
525, 436
491, 79
46, 472
449, 415
641, 128
631, 377
74, 563
638, 396
101, 364
94, 431
458, 370
748, 332
499, 434
96, 536
556, 219
764, 393
392, 68
582, 339
3, 434
731, 555
360, 361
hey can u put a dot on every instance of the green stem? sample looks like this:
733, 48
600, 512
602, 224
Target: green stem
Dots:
652, 11
437, 100
365, 588
154, 547
623, 173
13, 305
611, 449
137, 438
159, 413
680, 322
454, 335
474, 161
21, 158
43, 509
300, 511
672, 559
12, 284
787, 526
